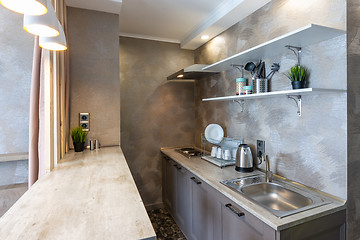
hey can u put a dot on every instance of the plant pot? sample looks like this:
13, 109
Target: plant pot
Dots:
79, 147
298, 84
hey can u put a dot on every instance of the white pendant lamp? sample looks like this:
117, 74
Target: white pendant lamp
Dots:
57, 43
45, 25
32, 7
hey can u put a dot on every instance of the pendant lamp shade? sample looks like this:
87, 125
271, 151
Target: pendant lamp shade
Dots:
57, 43
32, 7
45, 25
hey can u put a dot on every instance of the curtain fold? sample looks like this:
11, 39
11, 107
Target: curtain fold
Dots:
34, 115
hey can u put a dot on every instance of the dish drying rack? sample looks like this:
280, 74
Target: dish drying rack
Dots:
226, 143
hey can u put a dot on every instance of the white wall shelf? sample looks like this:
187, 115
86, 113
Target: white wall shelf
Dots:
293, 94
304, 36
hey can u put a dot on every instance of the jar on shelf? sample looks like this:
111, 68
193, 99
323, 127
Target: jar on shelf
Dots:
248, 89
240, 84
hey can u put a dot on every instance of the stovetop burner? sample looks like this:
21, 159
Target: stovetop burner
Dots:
189, 152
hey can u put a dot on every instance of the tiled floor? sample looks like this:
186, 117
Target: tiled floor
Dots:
164, 225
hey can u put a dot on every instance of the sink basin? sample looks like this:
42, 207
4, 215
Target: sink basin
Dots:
279, 197
276, 197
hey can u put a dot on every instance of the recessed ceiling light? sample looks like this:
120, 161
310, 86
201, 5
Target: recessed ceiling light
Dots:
180, 76
205, 37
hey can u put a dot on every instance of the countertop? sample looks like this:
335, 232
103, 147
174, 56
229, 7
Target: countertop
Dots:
89, 195
212, 175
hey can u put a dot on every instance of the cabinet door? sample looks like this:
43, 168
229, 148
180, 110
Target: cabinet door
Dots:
169, 184
237, 224
182, 209
200, 212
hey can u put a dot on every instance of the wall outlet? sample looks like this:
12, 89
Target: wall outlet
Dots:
260, 148
84, 121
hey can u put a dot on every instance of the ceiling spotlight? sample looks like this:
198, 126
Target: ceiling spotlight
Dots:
32, 7
205, 37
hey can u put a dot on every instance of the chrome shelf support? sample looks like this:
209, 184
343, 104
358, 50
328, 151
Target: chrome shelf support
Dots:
241, 103
297, 99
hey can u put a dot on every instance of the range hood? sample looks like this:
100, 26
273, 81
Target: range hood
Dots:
192, 72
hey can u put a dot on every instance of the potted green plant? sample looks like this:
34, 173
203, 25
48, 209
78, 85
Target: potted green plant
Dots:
78, 136
298, 75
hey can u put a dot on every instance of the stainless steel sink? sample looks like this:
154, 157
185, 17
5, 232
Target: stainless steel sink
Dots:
278, 197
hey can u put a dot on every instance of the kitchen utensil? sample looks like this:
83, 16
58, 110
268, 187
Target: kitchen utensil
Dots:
250, 66
213, 151
214, 133
92, 144
248, 90
219, 153
244, 159
260, 69
240, 84
233, 153
261, 85
226, 154
274, 68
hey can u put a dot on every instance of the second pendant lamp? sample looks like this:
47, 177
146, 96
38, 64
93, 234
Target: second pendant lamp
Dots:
45, 25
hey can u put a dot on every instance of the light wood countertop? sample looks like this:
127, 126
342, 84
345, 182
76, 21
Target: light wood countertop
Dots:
89, 195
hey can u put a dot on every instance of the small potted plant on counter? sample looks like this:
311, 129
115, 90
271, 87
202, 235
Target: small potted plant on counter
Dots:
298, 75
78, 136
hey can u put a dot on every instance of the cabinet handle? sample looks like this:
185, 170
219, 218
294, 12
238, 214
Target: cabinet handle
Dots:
234, 210
195, 180
177, 167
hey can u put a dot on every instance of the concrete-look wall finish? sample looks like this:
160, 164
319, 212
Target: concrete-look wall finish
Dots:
353, 86
311, 149
155, 112
16, 52
94, 72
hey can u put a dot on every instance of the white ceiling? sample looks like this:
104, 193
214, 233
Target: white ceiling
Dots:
178, 21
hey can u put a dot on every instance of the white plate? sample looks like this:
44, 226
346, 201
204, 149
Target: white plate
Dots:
214, 133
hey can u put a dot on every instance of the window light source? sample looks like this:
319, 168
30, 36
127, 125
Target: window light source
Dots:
32, 7
45, 25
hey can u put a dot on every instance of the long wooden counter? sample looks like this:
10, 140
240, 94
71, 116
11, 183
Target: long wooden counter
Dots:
89, 195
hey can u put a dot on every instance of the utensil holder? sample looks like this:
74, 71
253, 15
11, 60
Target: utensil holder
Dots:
260, 85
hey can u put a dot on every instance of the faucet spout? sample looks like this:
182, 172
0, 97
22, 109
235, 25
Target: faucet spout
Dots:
268, 174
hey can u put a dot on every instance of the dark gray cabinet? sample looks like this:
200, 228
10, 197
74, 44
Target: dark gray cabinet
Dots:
203, 213
183, 198
169, 183
237, 224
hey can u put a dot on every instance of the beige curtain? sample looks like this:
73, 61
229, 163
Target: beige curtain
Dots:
48, 68
34, 114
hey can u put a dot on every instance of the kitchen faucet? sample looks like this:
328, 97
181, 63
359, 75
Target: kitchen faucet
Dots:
268, 173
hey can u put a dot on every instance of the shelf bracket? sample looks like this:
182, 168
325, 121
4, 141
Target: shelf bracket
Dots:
297, 99
297, 52
241, 103
240, 68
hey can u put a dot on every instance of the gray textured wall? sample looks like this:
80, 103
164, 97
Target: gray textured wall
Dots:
16, 51
311, 149
154, 112
353, 85
94, 72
